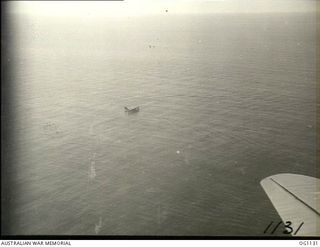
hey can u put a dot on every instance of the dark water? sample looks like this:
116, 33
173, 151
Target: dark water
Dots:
225, 100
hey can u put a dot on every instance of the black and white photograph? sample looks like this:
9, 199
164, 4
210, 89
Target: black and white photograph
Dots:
160, 119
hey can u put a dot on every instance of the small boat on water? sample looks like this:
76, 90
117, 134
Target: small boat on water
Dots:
130, 111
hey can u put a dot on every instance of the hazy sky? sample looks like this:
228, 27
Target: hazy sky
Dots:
153, 7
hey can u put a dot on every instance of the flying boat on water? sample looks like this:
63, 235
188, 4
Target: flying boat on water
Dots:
133, 110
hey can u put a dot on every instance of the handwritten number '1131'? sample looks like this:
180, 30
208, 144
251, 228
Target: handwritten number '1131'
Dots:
287, 225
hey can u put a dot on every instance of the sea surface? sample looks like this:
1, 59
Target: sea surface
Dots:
225, 101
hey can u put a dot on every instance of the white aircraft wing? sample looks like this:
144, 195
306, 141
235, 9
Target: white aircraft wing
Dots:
297, 200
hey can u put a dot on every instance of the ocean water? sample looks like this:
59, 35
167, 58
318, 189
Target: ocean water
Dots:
225, 101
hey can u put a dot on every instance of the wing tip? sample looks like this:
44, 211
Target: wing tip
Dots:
279, 175
274, 176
